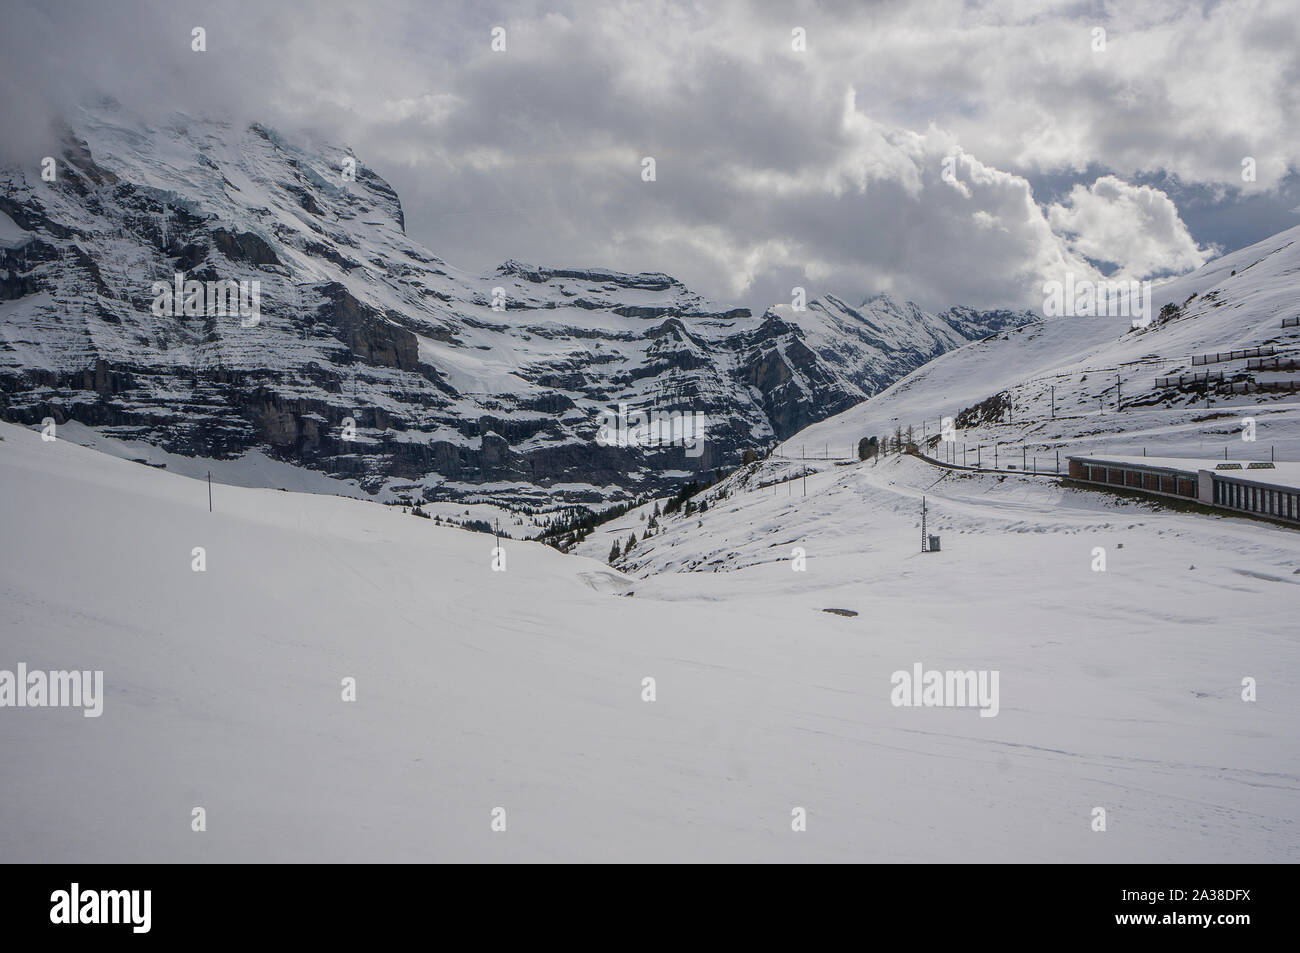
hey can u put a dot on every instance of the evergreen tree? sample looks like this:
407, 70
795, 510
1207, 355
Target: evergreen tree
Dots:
614, 553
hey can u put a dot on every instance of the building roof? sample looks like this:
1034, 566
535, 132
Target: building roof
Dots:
1280, 474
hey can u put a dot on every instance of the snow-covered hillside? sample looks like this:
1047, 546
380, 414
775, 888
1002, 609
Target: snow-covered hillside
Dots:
1076, 367
523, 689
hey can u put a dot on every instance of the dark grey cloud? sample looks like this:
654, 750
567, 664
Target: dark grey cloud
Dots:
775, 167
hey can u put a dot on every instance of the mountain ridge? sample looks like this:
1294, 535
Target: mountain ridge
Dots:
446, 385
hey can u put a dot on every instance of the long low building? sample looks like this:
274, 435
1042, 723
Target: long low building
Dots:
1248, 486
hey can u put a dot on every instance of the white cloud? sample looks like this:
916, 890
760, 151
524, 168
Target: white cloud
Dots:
774, 167
1134, 227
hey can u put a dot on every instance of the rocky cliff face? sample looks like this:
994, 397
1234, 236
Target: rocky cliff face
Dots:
362, 355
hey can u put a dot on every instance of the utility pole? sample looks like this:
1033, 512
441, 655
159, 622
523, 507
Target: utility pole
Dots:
1022, 458
209, 491
1058, 461
804, 451
995, 454
1119, 399
1053, 401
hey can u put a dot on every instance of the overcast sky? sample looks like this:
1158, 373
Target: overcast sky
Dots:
775, 167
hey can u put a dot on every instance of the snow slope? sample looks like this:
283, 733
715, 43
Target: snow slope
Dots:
522, 689
1236, 302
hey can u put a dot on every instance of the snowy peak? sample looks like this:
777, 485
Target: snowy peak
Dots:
869, 346
649, 281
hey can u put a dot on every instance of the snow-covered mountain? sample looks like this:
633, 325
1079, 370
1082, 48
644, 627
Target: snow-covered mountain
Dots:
882, 339
371, 360
1019, 399
771, 613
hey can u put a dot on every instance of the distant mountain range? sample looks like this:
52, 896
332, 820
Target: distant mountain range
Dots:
363, 356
